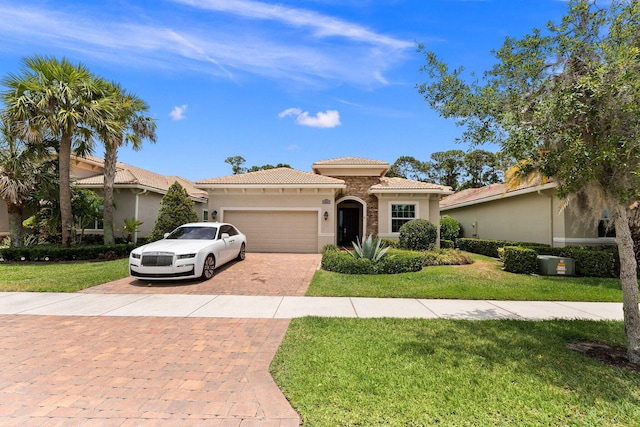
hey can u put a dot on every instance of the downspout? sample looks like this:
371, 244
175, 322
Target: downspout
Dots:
551, 220
135, 213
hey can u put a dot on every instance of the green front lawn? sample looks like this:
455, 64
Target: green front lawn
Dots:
408, 372
60, 277
484, 279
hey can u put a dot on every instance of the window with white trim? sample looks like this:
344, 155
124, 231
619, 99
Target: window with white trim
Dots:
401, 214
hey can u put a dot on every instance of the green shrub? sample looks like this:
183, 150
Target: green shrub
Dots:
446, 257
590, 262
449, 229
342, 262
447, 244
59, 253
396, 261
399, 261
369, 248
389, 243
330, 248
418, 235
520, 260
490, 248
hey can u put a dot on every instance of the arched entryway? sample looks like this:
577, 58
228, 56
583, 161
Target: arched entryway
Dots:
350, 221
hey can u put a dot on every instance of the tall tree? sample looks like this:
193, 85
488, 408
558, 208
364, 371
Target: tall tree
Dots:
176, 208
23, 169
132, 127
64, 100
409, 167
236, 163
481, 168
446, 167
566, 100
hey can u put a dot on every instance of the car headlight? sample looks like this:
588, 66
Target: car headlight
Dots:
185, 256
136, 256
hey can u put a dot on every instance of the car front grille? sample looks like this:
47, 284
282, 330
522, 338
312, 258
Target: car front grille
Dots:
157, 260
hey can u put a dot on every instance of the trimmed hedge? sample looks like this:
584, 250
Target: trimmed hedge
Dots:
59, 253
394, 262
589, 261
490, 247
447, 244
520, 260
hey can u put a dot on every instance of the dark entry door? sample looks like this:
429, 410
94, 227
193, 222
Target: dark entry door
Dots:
348, 225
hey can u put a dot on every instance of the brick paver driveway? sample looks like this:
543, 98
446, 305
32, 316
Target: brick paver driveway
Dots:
258, 274
154, 371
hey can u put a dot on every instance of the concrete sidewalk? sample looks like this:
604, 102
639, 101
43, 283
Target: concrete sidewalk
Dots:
288, 307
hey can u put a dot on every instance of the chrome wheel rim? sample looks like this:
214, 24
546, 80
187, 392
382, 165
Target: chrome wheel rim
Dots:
209, 266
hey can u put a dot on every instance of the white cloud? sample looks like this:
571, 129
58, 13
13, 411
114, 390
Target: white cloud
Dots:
326, 119
178, 112
319, 48
322, 25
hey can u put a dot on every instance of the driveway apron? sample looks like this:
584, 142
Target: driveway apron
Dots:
258, 274
154, 371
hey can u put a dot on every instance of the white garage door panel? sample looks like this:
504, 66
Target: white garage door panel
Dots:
277, 231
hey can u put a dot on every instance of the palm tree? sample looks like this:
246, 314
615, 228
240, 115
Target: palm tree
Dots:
23, 169
134, 128
65, 101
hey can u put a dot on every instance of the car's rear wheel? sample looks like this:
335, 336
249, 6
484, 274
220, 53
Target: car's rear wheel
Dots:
241, 254
208, 267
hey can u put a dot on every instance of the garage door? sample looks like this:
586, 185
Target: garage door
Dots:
277, 231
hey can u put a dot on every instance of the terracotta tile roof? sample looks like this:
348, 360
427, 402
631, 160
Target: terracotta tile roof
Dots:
127, 175
351, 161
400, 184
276, 176
488, 193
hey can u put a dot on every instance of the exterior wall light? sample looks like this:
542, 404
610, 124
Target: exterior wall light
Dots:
326, 215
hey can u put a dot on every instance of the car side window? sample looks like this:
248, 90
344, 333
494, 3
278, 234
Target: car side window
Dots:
232, 231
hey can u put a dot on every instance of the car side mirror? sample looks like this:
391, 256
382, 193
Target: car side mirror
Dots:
166, 234
224, 236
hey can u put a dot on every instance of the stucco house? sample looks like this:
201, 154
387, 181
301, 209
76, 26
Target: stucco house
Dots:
287, 210
137, 194
529, 213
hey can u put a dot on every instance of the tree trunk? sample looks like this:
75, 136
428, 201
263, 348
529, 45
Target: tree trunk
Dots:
64, 164
110, 160
629, 282
15, 225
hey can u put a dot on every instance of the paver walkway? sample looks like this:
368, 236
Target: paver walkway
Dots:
154, 368
142, 371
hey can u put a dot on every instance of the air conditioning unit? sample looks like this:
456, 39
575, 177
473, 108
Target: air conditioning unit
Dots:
549, 265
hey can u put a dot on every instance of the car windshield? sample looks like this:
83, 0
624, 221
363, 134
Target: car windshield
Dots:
194, 233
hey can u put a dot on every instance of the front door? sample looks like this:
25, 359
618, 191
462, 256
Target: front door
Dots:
348, 225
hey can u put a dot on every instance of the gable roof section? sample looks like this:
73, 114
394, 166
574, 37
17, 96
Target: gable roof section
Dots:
128, 176
350, 166
402, 185
472, 196
277, 177
351, 161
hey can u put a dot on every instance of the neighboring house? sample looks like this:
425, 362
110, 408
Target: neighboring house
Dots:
137, 194
530, 213
287, 210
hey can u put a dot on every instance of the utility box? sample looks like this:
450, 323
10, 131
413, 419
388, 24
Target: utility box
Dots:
549, 265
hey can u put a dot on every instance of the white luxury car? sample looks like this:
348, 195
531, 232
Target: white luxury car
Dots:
190, 251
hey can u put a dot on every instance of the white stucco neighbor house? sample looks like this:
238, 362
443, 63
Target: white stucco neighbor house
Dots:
137, 194
529, 213
287, 210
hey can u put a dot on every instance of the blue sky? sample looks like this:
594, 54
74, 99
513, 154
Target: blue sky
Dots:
274, 82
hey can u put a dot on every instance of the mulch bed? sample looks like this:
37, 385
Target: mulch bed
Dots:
612, 356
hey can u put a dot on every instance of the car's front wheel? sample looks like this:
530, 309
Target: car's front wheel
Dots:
208, 267
241, 254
